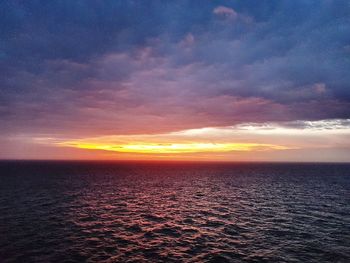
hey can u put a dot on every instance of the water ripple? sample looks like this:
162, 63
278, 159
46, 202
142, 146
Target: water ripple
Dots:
103, 212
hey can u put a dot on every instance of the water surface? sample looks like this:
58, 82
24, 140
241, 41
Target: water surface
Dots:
174, 212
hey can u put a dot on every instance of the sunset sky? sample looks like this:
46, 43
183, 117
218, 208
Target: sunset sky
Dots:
175, 80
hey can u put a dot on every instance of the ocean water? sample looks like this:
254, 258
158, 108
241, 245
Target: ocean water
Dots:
174, 212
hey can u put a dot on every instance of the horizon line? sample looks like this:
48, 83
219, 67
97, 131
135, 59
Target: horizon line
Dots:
175, 161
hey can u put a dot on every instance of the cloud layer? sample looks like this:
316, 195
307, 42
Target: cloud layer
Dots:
72, 69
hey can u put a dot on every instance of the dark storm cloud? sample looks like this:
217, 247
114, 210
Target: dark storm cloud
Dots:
115, 66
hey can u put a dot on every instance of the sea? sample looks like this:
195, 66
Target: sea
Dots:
65, 211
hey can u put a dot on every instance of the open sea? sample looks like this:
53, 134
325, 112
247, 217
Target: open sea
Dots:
174, 212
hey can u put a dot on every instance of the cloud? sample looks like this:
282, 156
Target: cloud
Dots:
225, 12
261, 141
188, 40
129, 67
320, 88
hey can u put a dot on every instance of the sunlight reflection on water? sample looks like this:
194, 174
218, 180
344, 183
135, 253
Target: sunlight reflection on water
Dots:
108, 212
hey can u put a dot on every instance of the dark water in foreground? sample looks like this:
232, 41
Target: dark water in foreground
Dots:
144, 212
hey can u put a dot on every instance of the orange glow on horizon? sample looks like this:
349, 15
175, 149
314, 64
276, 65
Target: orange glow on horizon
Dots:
177, 148
252, 142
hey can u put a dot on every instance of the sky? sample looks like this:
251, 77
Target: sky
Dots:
175, 80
